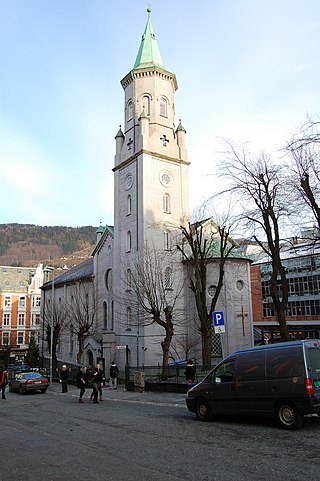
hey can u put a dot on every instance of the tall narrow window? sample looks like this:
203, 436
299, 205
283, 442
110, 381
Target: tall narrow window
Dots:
129, 110
21, 319
5, 338
129, 241
146, 104
6, 320
129, 318
7, 301
20, 337
105, 315
71, 343
168, 278
166, 203
128, 279
166, 240
129, 204
163, 107
112, 316
22, 302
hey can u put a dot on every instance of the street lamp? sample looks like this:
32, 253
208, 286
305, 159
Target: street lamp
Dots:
51, 269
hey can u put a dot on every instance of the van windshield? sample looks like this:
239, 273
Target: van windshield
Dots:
314, 356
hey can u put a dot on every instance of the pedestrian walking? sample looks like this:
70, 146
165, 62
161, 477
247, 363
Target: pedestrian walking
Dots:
64, 378
190, 372
97, 378
113, 375
82, 382
3, 382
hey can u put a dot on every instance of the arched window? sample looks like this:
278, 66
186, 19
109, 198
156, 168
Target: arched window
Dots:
129, 318
166, 203
163, 107
105, 315
129, 110
109, 280
112, 317
166, 240
146, 104
129, 241
129, 204
168, 278
129, 280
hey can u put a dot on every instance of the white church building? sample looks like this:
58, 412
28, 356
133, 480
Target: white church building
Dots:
151, 201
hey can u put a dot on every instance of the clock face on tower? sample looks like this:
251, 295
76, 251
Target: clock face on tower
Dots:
129, 181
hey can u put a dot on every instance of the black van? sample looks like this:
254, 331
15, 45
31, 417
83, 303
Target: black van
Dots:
281, 380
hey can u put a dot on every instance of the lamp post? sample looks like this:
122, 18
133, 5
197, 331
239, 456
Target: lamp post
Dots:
51, 269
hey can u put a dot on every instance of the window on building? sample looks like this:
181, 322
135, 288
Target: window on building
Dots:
109, 280
5, 338
128, 241
112, 316
6, 320
166, 240
22, 302
105, 315
71, 342
146, 104
129, 318
21, 319
129, 205
7, 301
168, 278
35, 319
163, 107
36, 301
129, 110
166, 203
20, 338
129, 279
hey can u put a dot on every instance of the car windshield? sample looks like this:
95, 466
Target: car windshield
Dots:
32, 375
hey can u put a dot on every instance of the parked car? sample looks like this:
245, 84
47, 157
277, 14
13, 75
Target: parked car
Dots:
280, 380
24, 382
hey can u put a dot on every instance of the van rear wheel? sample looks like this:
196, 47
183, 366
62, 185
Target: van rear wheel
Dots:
203, 411
288, 416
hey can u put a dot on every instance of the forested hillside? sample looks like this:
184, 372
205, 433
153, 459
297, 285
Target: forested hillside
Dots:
26, 244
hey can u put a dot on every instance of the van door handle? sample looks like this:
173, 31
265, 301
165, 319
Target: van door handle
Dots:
274, 389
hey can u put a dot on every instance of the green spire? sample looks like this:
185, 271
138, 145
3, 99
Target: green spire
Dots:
149, 53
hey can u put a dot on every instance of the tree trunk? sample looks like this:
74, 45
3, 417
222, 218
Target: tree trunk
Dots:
81, 348
166, 343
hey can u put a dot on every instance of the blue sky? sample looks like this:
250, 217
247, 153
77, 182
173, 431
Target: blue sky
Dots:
246, 69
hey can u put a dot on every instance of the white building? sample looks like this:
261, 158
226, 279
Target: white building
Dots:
151, 201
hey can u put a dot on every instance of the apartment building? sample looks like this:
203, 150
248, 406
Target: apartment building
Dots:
20, 303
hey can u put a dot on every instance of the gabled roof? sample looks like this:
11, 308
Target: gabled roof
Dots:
82, 271
149, 53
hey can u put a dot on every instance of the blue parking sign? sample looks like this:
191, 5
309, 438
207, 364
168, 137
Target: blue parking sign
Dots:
218, 318
218, 322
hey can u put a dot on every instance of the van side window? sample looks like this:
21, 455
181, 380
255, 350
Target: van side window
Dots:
250, 366
285, 363
314, 356
224, 372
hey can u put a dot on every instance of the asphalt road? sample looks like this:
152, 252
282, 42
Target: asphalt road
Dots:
145, 437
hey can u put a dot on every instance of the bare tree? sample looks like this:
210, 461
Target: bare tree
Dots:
203, 243
81, 312
185, 344
304, 165
55, 319
157, 291
259, 185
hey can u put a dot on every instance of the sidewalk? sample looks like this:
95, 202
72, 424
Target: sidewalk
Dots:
122, 395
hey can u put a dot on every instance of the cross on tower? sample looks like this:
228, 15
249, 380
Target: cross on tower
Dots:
129, 143
164, 140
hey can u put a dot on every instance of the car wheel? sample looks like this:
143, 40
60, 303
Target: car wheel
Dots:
288, 416
203, 411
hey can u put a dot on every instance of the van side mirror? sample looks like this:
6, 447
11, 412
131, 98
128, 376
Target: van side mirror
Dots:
218, 380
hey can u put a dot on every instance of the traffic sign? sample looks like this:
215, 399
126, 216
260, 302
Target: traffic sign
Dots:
218, 322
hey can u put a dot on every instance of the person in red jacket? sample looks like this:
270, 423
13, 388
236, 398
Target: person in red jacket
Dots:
3, 382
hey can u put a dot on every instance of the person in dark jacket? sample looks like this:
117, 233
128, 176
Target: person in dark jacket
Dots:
82, 381
97, 379
190, 372
3, 382
64, 378
113, 375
